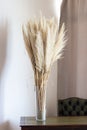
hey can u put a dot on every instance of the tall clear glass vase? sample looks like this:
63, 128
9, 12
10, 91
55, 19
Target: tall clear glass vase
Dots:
40, 103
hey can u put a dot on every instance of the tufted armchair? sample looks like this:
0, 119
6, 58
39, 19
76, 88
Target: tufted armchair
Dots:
72, 107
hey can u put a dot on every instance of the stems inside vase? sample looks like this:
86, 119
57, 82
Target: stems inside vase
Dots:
40, 103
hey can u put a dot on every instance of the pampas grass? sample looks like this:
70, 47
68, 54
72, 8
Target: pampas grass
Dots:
44, 43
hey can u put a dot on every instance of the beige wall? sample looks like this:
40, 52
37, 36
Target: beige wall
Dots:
16, 74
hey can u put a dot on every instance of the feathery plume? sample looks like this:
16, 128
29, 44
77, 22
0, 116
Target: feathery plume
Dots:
44, 43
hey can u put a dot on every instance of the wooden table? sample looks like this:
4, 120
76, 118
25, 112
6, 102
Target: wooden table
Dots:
54, 123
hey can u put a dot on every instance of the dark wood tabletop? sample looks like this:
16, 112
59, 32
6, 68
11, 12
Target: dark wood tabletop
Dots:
56, 123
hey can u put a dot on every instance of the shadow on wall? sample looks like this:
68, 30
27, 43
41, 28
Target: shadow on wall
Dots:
3, 47
3, 44
4, 126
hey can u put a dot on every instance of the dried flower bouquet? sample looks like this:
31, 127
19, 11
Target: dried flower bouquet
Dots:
44, 43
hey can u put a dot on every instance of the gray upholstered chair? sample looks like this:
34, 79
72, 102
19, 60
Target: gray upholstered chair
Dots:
72, 107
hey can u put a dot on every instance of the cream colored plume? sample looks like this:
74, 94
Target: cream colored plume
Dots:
44, 43
60, 44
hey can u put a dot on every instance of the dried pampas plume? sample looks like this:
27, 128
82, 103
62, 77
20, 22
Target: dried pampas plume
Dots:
44, 43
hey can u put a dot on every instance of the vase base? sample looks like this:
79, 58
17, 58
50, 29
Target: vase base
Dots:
41, 120
41, 117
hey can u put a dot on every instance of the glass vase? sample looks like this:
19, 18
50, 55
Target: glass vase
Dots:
40, 103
